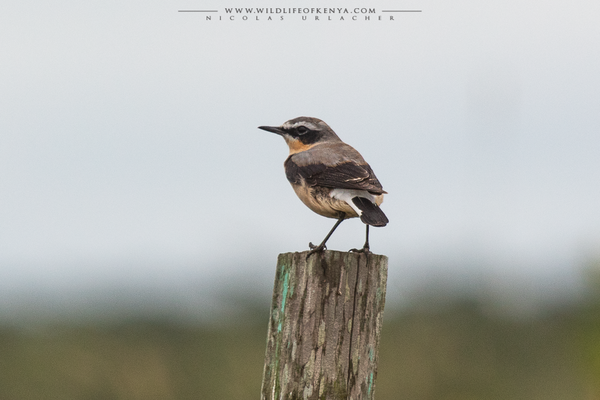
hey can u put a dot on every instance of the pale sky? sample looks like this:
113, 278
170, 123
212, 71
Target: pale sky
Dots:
130, 154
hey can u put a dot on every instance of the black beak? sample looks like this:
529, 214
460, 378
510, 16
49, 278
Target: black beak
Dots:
274, 129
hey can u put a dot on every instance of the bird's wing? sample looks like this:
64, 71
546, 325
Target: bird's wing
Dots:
346, 175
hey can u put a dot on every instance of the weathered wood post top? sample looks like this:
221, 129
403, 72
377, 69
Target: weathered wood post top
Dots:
325, 325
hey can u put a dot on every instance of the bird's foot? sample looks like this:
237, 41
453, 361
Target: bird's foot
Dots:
315, 249
366, 250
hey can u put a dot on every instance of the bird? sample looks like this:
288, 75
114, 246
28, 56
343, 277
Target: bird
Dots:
330, 177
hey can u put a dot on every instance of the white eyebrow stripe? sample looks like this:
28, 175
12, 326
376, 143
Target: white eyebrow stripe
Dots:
307, 124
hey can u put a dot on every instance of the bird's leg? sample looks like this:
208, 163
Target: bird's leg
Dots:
366, 249
314, 249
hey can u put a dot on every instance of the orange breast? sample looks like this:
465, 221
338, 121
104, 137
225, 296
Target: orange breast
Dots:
297, 146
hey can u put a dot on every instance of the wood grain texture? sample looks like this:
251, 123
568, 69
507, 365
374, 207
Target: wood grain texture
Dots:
325, 325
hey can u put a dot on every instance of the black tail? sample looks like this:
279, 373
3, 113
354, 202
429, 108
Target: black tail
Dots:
371, 213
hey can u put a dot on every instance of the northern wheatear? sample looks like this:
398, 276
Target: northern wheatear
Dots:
329, 176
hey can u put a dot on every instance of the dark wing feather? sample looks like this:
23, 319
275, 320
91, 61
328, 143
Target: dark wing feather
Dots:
347, 175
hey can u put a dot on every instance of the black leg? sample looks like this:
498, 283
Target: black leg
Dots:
314, 249
366, 248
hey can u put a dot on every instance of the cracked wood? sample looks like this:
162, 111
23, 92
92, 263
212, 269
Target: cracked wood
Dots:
325, 325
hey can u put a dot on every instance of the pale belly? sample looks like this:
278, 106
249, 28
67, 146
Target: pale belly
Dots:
320, 201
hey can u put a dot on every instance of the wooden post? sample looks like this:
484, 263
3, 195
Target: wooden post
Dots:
325, 325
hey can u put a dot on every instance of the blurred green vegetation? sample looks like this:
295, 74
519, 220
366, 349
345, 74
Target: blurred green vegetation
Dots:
453, 349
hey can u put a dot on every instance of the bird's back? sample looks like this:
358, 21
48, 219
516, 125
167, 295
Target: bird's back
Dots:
332, 165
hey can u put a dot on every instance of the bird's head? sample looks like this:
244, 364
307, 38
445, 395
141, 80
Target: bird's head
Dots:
302, 133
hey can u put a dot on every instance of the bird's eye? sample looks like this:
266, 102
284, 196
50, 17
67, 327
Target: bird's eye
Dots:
301, 130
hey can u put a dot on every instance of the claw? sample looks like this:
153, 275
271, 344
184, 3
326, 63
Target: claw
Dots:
315, 249
321, 247
365, 250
